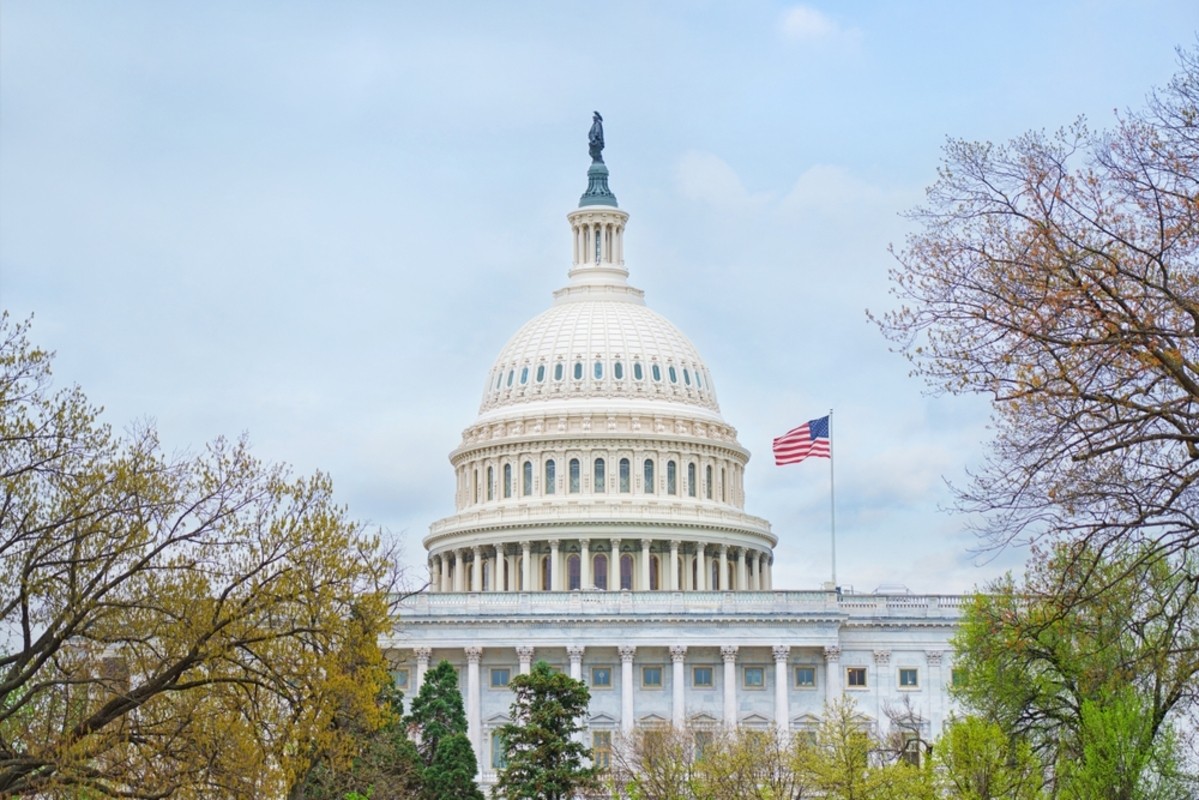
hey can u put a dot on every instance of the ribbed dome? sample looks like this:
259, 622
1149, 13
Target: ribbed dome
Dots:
605, 348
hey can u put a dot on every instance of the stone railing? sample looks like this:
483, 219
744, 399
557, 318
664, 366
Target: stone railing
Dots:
701, 604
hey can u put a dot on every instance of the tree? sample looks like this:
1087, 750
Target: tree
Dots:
1058, 276
848, 761
1091, 683
545, 759
977, 760
438, 721
170, 626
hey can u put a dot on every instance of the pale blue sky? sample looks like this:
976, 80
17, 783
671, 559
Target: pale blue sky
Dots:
318, 223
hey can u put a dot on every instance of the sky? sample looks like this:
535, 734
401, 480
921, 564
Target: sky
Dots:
317, 224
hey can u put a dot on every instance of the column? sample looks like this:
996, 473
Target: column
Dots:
722, 583
782, 708
742, 572
936, 691
751, 570
770, 573
881, 685
832, 674
704, 570
575, 653
423, 654
763, 576
644, 565
497, 568
459, 571
526, 567
673, 583
445, 573
678, 652
626, 688
614, 566
555, 573
474, 720
585, 581
476, 572
524, 654
729, 653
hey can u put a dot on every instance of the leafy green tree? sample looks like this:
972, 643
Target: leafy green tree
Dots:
1093, 683
847, 761
545, 761
976, 760
173, 626
438, 721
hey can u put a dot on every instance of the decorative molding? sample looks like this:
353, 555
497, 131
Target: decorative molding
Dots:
728, 652
882, 657
627, 651
832, 654
678, 652
474, 654
781, 652
575, 651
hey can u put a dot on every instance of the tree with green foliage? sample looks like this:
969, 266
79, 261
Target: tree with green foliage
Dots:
183, 626
438, 722
545, 759
1093, 683
977, 760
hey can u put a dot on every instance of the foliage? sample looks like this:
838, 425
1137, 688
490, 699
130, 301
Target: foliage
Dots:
1058, 275
848, 761
545, 759
173, 626
1090, 682
438, 721
976, 760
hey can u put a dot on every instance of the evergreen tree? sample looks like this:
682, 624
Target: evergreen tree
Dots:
545, 762
439, 722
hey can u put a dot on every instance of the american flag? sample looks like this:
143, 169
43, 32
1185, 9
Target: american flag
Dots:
809, 439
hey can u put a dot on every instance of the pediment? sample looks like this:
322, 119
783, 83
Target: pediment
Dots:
603, 720
756, 721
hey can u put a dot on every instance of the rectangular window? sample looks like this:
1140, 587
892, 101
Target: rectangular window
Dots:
400, 678
601, 749
805, 677
909, 678
651, 677
753, 677
911, 749
499, 752
855, 677
601, 677
624, 475
957, 677
701, 677
500, 677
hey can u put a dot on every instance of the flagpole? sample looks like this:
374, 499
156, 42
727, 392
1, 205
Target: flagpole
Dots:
832, 495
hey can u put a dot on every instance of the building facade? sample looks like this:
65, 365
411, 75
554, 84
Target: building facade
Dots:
600, 525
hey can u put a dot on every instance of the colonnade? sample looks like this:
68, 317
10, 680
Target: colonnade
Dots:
607, 564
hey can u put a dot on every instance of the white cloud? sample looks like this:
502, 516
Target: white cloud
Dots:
804, 23
707, 178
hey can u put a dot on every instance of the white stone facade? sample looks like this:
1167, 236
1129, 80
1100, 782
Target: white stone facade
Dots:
600, 526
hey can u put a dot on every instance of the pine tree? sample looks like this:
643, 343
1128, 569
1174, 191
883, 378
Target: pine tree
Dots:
439, 722
545, 762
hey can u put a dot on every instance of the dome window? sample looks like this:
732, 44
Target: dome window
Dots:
674, 376
637, 374
698, 383
656, 371
524, 375
708, 482
649, 476
691, 480
526, 485
672, 478
578, 370
490, 483
511, 375
550, 477
574, 476
598, 370
541, 373
624, 475
686, 376
618, 371
499, 379
599, 571
507, 481
599, 484
558, 371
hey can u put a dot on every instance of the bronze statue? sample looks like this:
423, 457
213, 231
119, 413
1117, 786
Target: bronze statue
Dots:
595, 139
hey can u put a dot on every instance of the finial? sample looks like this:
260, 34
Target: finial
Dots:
598, 193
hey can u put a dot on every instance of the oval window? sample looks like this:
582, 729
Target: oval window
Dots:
637, 374
540, 373
511, 375
499, 379
698, 383
656, 372
599, 370
686, 376
618, 371
558, 371
524, 375
674, 376
578, 370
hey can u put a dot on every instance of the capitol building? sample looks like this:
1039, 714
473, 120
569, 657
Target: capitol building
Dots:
600, 525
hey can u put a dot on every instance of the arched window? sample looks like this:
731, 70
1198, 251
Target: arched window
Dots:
653, 573
558, 371
599, 571
574, 476
618, 370
715, 576
524, 375
545, 574
686, 376
723, 487
624, 475
674, 376
691, 480
708, 481
573, 575
578, 370
637, 373
694, 573
626, 571
598, 370
491, 483
649, 476
728, 579
698, 383
672, 477
505, 580
478, 488
511, 373
550, 477
507, 480
656, 371
526, 487
599, 476
487, 576
540, 373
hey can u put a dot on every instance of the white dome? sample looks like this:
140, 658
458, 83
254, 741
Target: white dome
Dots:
609, 348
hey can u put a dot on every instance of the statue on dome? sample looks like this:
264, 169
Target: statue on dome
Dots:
595, 138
